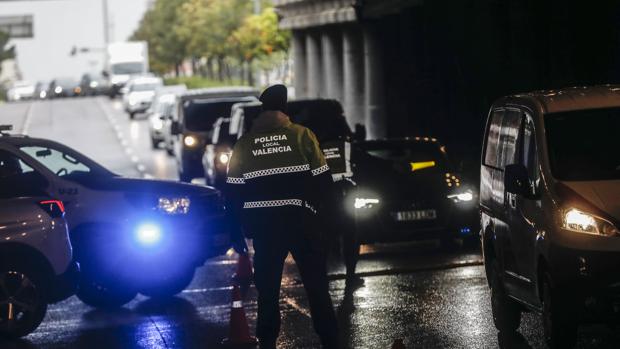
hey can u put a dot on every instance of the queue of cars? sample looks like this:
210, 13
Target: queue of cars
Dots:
90, 84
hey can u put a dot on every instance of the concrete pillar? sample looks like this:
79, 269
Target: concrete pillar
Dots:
315, 66
332, 64
353, 80
375, 115
299, 64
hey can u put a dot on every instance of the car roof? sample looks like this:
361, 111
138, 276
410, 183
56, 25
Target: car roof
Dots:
218, 92
567, 99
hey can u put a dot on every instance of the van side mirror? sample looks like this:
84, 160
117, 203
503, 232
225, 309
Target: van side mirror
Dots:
516, 180
175, 128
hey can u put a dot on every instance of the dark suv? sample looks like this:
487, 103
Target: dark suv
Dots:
550, 209
407, 190
192, 128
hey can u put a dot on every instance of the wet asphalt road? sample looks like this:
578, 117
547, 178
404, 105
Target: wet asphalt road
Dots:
428, 298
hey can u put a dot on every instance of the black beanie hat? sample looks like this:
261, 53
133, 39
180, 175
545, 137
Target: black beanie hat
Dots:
274, 98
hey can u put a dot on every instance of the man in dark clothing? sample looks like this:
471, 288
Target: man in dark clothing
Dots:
277, 177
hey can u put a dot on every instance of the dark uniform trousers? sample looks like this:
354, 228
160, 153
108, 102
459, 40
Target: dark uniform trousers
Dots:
273, 240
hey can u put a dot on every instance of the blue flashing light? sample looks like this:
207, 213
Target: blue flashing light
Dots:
148, 234
465, 231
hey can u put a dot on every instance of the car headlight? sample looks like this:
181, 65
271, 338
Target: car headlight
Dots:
158, 124
224, 158
93, 84
174, 205
464, 196
360, 203
582, 222
58, 89
190, 141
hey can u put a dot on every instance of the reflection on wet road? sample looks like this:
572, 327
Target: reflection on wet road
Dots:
428, 298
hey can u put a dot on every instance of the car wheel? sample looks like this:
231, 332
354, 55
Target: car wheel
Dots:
98, 295
170, 151
154, 143
506, 312
170, 288
559, 326
22, 301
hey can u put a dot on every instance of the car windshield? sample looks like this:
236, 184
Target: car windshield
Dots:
201, 115
127, 68
427, 154
583, 144
64, 162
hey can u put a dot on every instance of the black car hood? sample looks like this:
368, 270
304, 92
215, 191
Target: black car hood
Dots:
147, 186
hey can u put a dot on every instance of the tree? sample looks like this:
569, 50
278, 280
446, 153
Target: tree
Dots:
5, 51
259, 37
166, 49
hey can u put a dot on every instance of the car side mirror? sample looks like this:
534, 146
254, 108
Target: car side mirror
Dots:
516, 180
105, 73
175, 128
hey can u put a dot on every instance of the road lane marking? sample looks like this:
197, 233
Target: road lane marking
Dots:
122, 140
293, 303
27, 119
410, 270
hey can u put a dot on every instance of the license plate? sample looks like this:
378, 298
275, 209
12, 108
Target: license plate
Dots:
420, 215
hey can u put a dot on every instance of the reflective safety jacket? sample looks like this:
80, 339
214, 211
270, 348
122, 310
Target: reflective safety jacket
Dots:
277, 164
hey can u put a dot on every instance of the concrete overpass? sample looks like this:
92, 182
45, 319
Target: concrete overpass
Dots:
417, 67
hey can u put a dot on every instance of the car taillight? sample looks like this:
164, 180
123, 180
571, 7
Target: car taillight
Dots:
55, 208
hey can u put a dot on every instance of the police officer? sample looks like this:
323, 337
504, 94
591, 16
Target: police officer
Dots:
277, 177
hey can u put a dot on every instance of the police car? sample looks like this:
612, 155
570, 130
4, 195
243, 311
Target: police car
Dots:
130, 235
36, 258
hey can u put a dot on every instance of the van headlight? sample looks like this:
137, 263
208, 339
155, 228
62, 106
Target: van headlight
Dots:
179, 205
463, 196
582, 222
360, 203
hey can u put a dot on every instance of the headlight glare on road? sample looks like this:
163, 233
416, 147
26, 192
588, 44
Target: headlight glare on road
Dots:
465, 196
190, 141
148, 234
365, 203
224, 158
582, 222
178, 205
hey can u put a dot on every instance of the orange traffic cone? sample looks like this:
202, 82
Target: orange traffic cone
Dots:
398, 344
244, 271
239, 331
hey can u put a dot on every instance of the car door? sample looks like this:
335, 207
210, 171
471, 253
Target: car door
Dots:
523, 214
505, 203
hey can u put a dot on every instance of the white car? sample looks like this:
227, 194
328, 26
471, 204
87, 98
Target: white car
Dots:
21, 90
160, 112
36, 257
130, 235
139, 94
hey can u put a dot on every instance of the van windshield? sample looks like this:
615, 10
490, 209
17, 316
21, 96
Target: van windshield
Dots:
583, 145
